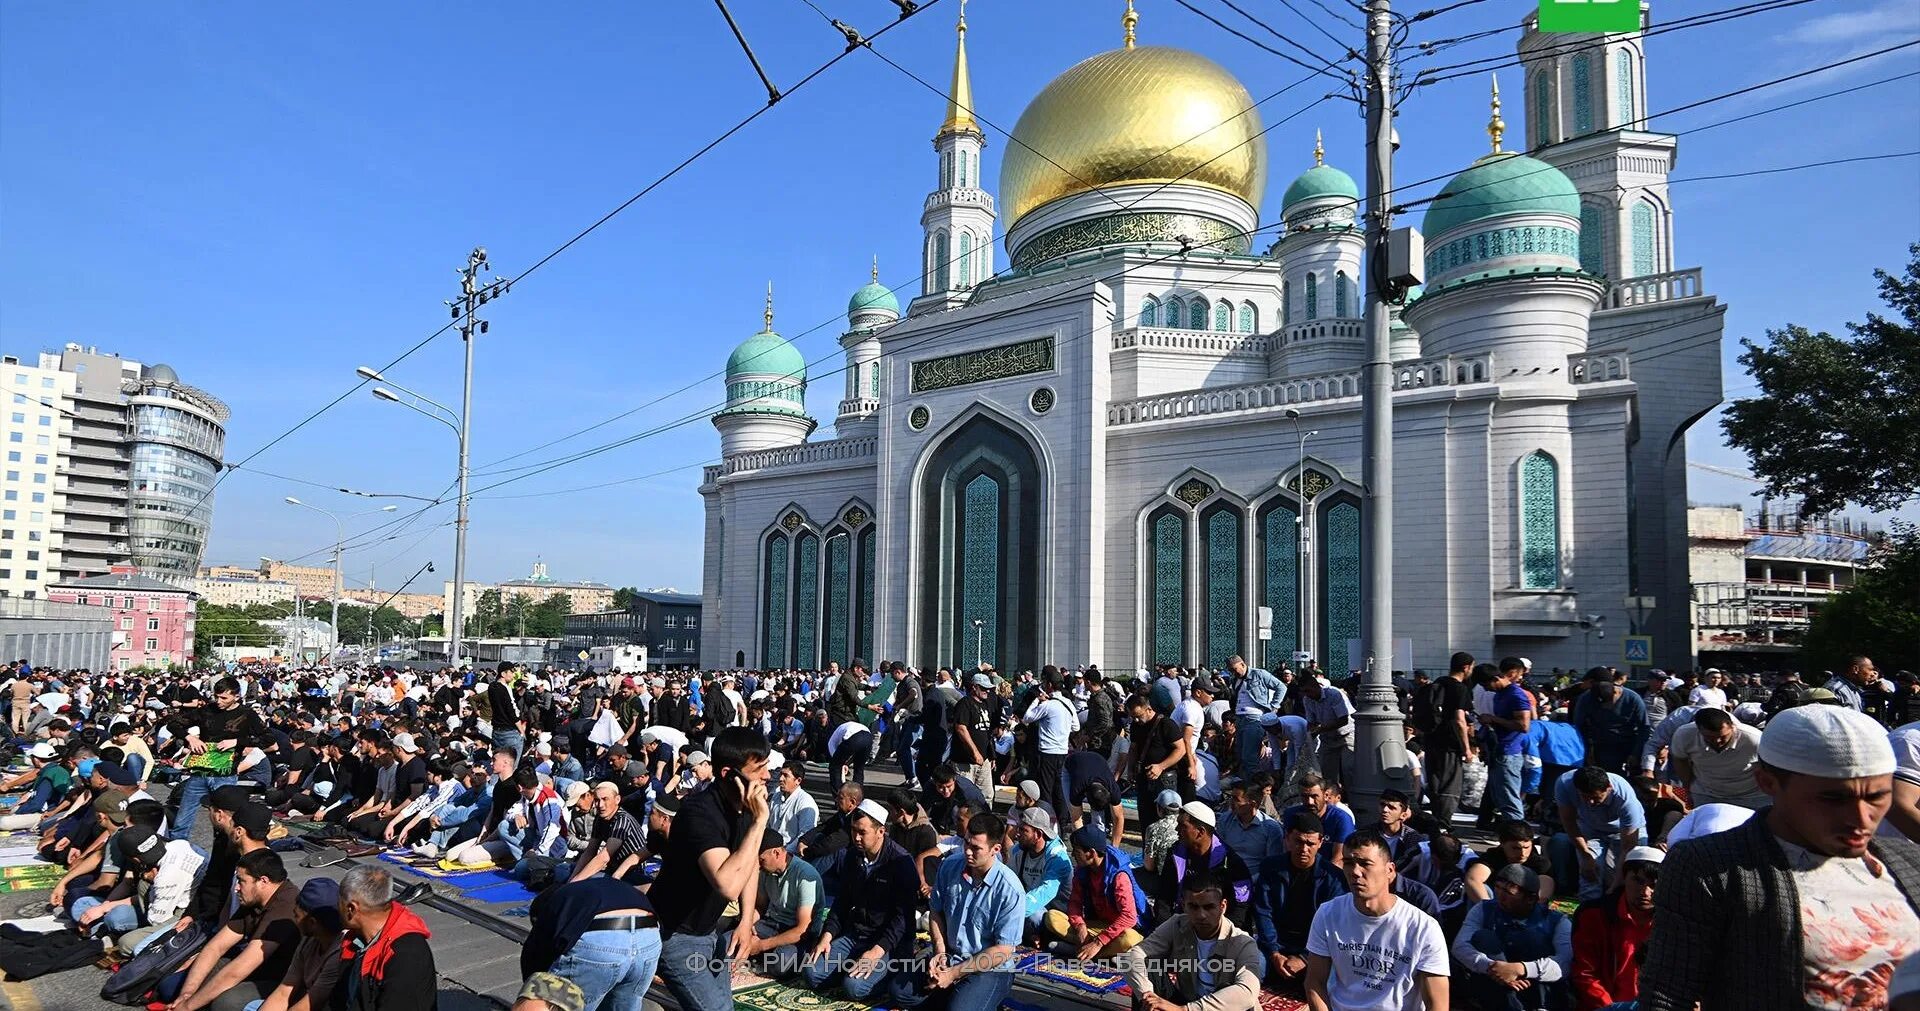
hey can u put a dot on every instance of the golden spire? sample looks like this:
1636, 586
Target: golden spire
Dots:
769, 314
876, 268
960, 95
1319, 150
1496, 127
1127, 21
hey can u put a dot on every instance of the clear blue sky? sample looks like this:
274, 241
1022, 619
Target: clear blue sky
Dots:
265, 196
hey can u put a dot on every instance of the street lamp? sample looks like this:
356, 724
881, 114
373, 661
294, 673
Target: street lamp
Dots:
339, 542
1303, 528
979, 643
457, 422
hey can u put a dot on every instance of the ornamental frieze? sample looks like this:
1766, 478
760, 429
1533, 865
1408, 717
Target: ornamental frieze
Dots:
984, 365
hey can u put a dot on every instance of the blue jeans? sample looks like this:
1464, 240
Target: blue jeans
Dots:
781, 961
116, 921
1503, 785
1248, 735
503, 739
613, 968
193, 792
695, 970
1566, 864
840, 957
136, 765
37, 802
907, 745
980, 991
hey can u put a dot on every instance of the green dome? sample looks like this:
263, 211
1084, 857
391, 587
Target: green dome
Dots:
873, 296
1499, 185
1320, 181
766, 354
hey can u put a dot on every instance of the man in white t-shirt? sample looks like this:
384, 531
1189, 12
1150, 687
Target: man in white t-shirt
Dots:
1369, 950
1711, 692
1714, 757
1190, 719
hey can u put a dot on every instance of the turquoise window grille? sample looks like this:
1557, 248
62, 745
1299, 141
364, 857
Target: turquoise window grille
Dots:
1286, 303
966, 258
839, 596
1643, 239
773, 582
863, 639
1280, 578
1593, 232
1197, 314
963, 170
942, 275
1167, 556
946, 170
1582, 94
1149, 312
1539, 523
1249, 318
980, 569
1222, 527
1342, 293
1313, 297
1623, 89
1223, 317
1341, 550
1542, 109
806, 602
1171, 313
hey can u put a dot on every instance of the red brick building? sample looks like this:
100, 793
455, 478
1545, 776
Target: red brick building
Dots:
152, 620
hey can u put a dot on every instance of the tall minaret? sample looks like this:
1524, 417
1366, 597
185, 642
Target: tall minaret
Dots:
1586, 107
958, 220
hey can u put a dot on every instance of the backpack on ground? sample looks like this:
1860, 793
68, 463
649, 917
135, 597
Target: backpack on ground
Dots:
135, 979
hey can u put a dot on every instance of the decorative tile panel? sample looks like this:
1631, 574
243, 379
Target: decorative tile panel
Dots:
806, 602
1342, 559
984, 365
1168, 556
1539, 523
774, 592
839, 596
1223, 586
980, 570
1124, 229
1280, 546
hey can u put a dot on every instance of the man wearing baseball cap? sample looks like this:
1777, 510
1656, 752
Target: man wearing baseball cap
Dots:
1514, 940
316, 967
1802, 906
1039, 859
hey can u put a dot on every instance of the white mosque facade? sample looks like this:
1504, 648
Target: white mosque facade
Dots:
1122, 445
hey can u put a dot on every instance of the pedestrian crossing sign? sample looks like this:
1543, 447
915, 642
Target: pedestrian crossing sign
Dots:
1639, 649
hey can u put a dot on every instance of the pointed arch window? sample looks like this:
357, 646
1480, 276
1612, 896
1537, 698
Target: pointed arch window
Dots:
1150, 312
1644, 240
946, 170
980, 566
1220, 527
966, 258
1340, 548
1593, 242
963, 170
1279, 539
773, 596
942, 275
1543, 109
1249, 318
1623, 88
1313, 297
834, 616
1286, 303
1539, 522
863, 631
1582, 94
1342, 293
1197, 314
1171, 315
1166, 585
806, 601
1223, 316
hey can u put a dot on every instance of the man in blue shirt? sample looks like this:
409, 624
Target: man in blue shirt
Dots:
975, 923
1601, 820
1511, 718
1613, 721
1260, 693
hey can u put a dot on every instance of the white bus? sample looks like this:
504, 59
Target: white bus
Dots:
627, 659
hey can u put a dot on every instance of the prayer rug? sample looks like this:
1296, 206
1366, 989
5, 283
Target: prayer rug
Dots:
1270, 1001
1079, 975
788, 997
509, 891
30, 879
1564, 906
442, 873
304, 826
27, 859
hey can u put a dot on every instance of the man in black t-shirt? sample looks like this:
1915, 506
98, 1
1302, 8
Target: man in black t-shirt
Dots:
713, 858
509, 723
972, 722
1450, 743
1156, 747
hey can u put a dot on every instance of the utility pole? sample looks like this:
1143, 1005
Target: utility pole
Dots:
1380, 759
473, 295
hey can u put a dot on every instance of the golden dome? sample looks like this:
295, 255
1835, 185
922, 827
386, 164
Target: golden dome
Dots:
1149, 114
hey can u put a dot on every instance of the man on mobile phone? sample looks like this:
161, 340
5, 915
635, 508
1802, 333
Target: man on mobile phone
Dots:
712, 859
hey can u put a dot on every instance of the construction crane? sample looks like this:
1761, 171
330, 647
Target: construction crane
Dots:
1725, 472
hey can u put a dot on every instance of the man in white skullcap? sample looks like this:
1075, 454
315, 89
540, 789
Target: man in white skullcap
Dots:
1802, 906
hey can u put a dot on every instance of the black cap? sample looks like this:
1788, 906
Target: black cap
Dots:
231, 797
139, 848
255, 819
772, 840
1305, 821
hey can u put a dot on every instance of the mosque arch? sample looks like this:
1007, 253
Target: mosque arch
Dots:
1539, 501
1174, 313
1583, 94
941, 267
1313, 296
1249, 318
1222, 559
1223, 316
806, 600
1276, 538
1150, 311
1197, 313
1593, 236
837, 598
1623, 89
1286, 303
966, 259
1164, 532
775, 572
980, 535
1644, 233
1342, 293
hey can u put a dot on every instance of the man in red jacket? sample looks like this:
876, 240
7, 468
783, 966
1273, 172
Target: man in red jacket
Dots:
389, 963
1609, 933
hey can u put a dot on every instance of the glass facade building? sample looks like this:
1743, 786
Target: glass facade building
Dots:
176, 438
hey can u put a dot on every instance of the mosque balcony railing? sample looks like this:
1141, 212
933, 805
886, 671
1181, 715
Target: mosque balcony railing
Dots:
859, 406
1599, 367
968, 196
1453, 370
1196, 342
834, 450
1653, 289
1325, 329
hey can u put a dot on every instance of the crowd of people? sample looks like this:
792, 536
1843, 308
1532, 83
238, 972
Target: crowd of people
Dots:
1553, 840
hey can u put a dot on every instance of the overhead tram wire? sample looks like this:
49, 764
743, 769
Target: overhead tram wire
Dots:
1347, 47
1796, 168
1289, 57
1434, 75
832, 320
563, 247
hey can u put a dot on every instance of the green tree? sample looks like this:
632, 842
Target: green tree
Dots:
216, 625
623, 597
487, 616
548, 618
1834, 421
1879, 615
